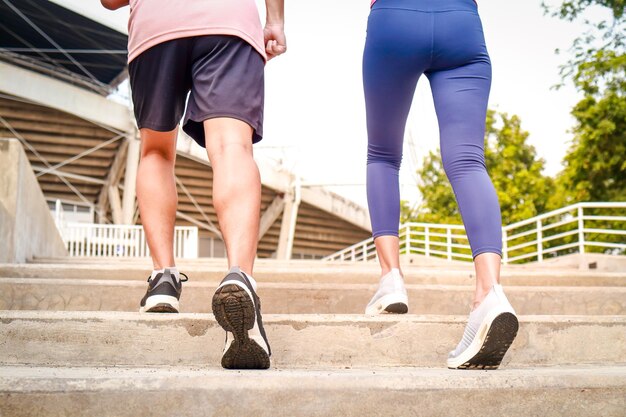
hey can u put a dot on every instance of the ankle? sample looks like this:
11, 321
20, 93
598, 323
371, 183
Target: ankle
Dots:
247, 274
173, 270
480, 294
387, 269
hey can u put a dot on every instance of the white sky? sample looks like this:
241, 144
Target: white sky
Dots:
315, 113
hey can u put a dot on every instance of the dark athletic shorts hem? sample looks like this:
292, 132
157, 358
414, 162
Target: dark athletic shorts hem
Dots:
156, 126
223, 75
194, 127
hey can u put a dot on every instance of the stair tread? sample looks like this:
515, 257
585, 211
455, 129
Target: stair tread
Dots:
40, 378
282, 318
67, 294
196, 391
337, 340
319, 268
305, 285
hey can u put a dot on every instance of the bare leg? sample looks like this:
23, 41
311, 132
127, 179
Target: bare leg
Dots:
391, 296
157, 195
487, 267
388, 249
236, 188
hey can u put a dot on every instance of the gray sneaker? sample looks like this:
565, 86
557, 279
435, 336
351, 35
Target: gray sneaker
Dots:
163, 294
237, 309
490, 330
391, 296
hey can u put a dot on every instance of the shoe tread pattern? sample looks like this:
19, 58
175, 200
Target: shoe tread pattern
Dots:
162, 308
234, 311
397, 308
499, 338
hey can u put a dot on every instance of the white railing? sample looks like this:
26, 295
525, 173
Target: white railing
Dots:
579, 228
125, 241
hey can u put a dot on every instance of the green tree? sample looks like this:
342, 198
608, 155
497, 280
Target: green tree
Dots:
515, 169
595, 166
597, 56
438, 204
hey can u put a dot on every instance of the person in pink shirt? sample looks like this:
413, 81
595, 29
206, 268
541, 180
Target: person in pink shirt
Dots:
213, 52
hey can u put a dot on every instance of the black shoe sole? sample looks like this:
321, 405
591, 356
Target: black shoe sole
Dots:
234, 311
162, 308
501, 334
397, 308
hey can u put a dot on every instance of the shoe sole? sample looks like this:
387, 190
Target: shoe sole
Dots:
161, 304
234, 311
390, 303
397, 308
500, 336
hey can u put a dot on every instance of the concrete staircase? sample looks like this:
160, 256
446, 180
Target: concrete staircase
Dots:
71, 343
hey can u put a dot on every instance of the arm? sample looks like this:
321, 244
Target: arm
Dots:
114, 4
274, 32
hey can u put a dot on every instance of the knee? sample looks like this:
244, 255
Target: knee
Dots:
161, 145
226, 137
385, 155
221, 147
158, 153
462, 161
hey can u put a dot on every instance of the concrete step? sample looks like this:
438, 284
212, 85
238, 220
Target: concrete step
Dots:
589, 261
318, 272
417, 260
125, 339
190, 391
293, 298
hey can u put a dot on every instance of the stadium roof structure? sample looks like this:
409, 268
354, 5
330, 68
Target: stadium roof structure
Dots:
51, 39
58, 67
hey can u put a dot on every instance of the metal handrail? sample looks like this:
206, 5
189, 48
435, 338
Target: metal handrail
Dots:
548, 235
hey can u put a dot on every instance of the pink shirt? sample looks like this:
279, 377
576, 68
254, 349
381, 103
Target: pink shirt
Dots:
155, 21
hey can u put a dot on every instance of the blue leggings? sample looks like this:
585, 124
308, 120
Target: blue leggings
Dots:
444, 40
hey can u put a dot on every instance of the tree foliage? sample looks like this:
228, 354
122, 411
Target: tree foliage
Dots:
515, 169
597, 59
595, 166
438, 204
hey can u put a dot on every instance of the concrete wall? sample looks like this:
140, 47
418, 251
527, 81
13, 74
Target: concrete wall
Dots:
27, 228
587, 261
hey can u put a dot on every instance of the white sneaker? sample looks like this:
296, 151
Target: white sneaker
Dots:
391, 296
490, 330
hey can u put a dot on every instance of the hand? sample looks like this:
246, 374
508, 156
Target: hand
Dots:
275, 41
114, 4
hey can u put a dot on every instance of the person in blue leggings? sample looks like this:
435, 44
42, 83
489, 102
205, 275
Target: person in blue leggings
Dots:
443, 40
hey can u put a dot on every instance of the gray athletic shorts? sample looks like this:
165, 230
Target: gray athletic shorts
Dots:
224, 74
